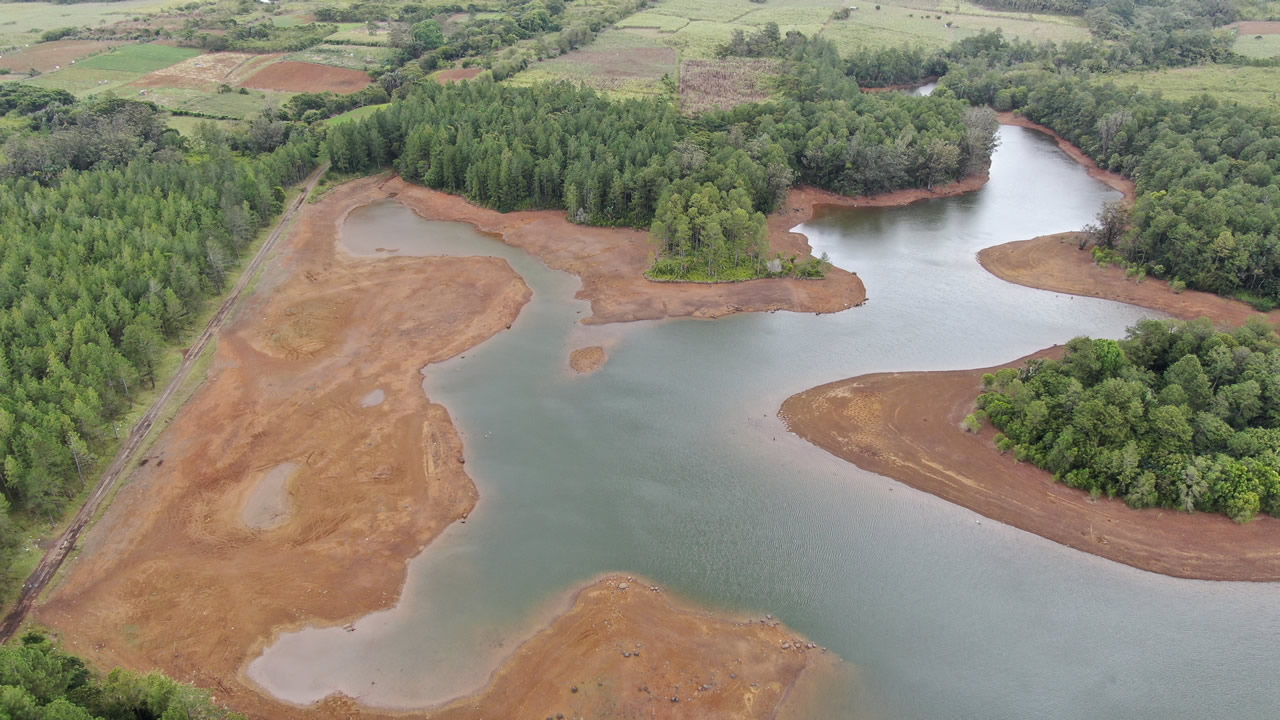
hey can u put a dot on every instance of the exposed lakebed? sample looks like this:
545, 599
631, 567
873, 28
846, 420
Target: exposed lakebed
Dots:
670, 462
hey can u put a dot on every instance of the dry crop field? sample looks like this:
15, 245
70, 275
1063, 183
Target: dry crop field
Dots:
307, 77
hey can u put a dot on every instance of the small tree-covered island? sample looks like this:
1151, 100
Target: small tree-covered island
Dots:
1178, 415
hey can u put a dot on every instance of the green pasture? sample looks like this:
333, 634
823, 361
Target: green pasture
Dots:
231, 105
1255, 86
141, 58
353, 57
357, 34
21, 23
1258, 46
356, 114
84, 81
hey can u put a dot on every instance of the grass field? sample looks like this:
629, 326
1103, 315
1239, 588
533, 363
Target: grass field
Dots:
621, 59
23, 22
653, 20
1245, 85
624, 63
356, 114
353, 57
1258, 46
113, 70
358, 34
230, 105
917, 23
141, 58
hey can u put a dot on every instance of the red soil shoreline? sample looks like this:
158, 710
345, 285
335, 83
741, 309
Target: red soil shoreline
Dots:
907, 426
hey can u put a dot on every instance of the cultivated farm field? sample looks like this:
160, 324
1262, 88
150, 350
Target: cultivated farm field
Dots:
307, 77
112, 70
353, 57
140, 58
1257, 39
622, 60
48, 56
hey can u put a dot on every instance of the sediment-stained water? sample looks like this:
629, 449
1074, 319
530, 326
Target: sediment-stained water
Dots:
670, 462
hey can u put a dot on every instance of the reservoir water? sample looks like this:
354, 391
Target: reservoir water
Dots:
670, 463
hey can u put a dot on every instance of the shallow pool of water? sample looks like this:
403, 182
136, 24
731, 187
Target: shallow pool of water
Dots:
670, 462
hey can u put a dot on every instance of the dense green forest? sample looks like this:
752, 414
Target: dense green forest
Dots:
40, 682
1178, 415
115, 234
613, 163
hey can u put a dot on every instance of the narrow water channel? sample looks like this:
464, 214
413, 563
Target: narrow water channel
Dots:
670, 463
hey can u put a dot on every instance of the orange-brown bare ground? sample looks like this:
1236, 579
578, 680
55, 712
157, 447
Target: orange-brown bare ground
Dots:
172, 578
907, 426
178, 577
587, 359
46, 56
624, 651
611, 261
1056, 263
1257, 27
293, 76
444, 77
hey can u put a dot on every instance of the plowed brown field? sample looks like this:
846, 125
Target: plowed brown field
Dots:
307, 77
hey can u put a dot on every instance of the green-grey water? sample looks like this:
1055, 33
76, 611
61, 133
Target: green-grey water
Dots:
670, 463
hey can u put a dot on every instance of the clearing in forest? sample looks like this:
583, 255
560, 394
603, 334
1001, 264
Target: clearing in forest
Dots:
1257, 38
307, 77
623, 63
444, 77
722, 84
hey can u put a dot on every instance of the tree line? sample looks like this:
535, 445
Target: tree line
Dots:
1178, 415
610, 162
38, 681
101, 265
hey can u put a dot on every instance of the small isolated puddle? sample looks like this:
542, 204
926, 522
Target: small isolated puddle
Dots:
269, 505
374, 398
